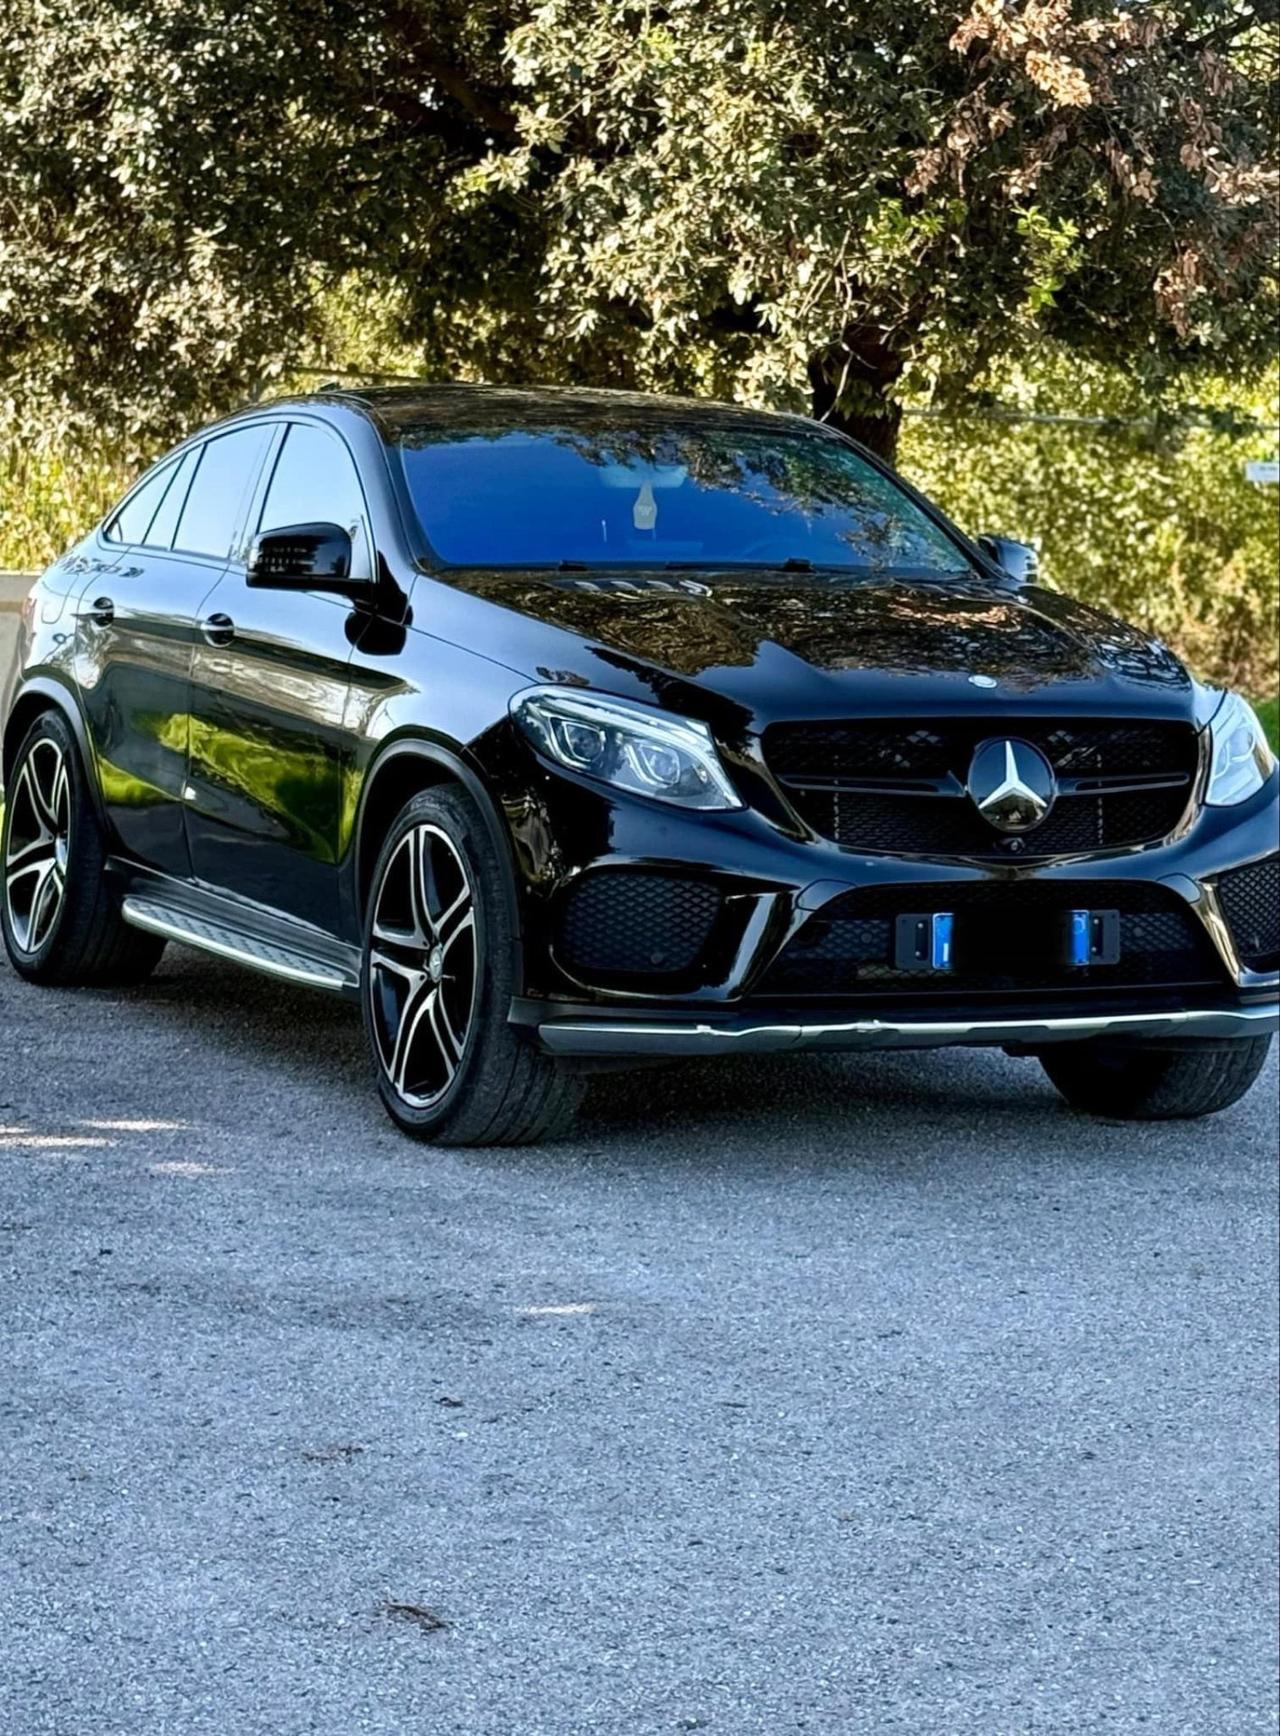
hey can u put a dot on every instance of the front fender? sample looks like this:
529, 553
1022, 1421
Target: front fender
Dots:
405, 764
42, 690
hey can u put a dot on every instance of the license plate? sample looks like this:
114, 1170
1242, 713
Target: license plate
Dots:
1093, 937
922, 942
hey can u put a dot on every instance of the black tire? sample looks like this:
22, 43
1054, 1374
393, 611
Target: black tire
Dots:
83, 940
418, 989
1133, 1083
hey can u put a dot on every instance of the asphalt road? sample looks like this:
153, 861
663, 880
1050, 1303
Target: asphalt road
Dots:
818, 1395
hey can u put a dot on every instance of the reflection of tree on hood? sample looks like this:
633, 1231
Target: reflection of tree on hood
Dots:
685, 633
920, 628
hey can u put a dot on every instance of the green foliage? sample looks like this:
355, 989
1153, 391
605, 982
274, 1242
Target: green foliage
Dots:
181, 187
1269, 713
1157, 524
50, 493
857, 198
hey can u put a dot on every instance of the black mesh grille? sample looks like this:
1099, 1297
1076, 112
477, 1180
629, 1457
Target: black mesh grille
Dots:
1250, 899
632, 924
1007, 938
844, 756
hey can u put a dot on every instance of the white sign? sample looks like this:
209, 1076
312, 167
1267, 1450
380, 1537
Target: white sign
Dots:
1264, 471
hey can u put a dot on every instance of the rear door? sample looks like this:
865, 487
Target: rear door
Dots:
270, 756
136, 626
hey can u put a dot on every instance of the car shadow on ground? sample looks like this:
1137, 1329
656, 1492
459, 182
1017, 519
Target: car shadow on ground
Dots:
207, 1054
316, 1040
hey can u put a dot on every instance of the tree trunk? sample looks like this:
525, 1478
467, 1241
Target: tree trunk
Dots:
850, 386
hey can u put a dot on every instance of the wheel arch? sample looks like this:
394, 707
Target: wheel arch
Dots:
405, 767
41, 693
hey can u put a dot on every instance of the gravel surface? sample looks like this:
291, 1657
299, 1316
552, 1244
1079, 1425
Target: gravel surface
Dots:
873, 1394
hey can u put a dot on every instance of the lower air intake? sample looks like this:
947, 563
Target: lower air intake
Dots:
630, 924
1250, 900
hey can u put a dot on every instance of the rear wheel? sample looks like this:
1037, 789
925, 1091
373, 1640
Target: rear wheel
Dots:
61, 920
1132, 1083
438, 975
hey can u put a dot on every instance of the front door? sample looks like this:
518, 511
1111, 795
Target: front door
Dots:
135, 630
269, 753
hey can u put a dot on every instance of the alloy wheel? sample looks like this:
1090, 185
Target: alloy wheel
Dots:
423, 965
38, 845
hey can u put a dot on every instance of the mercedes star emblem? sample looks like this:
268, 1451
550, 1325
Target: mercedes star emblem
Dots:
1011, 784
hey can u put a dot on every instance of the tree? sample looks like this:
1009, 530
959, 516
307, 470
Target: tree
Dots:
839, 203
183, 184
1152, 518
878, 199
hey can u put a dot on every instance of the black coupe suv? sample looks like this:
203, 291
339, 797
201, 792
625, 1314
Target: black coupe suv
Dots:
571, 730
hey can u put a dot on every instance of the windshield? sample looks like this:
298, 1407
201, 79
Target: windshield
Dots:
664, 496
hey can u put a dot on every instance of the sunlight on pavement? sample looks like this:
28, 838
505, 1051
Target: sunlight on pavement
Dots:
18, 1138
137, 1126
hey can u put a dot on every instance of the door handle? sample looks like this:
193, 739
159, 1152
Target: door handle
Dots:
102, 612
218, 629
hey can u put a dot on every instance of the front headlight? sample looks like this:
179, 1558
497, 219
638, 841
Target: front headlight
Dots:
1242, 759
648, 753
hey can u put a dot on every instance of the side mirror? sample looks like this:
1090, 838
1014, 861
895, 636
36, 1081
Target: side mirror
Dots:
1018, 559
305, 557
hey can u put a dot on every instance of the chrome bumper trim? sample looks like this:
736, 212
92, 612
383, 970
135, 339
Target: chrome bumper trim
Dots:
579, 1037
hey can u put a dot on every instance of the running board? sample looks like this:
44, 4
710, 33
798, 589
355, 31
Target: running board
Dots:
233, 943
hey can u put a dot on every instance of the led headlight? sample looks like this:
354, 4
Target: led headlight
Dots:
649, 753
1242, 758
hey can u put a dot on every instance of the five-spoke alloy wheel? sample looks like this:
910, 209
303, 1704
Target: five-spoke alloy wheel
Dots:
438, 975
422, 965
37, 844
59, 909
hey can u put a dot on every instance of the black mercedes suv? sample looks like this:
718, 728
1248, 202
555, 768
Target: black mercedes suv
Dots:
571, 730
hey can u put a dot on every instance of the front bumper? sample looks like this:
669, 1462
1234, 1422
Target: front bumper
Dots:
777, 886
640, 1039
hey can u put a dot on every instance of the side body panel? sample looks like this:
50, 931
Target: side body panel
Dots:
270, 750
132, 665
282, 710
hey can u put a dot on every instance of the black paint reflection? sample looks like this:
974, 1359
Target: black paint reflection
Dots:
1021, 636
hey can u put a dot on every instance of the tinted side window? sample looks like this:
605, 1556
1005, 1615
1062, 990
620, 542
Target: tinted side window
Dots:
227, 469
160, 535
314, 482
129, 525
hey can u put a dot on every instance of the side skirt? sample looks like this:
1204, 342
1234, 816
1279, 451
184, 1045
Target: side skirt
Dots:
250, 934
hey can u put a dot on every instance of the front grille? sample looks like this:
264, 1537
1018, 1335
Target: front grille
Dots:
1007, 938
625, 923
1250, 900
901, 790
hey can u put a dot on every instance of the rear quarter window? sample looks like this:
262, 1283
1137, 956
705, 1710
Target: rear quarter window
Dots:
131, 520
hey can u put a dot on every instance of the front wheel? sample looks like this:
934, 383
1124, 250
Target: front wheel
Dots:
438, 975
1133, 1083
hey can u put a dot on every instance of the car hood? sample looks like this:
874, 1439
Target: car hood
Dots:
808, 645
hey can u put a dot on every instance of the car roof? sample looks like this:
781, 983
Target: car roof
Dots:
397, 409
